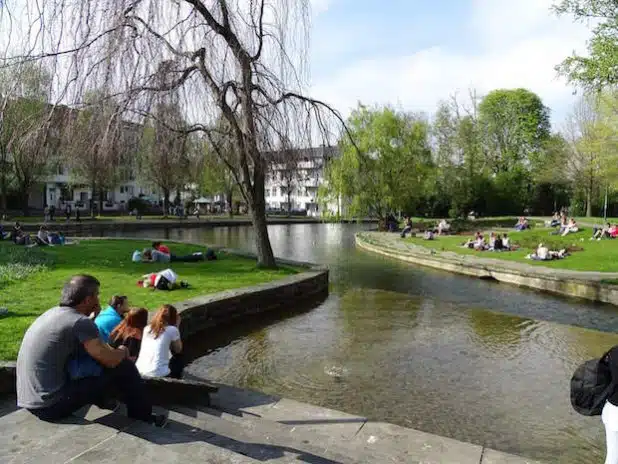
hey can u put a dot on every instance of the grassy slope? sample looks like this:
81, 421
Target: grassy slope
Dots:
599, 256
31, 279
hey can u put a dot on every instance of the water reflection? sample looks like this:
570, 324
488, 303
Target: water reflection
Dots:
470, 359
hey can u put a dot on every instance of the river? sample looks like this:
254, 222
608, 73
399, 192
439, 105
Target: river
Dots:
474, 360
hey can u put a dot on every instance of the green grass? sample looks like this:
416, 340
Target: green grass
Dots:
31, 278
601, 256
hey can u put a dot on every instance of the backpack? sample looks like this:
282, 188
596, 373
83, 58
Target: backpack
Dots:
591, 385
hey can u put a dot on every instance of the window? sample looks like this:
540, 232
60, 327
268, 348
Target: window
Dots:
274, 191
122, 189
282, 191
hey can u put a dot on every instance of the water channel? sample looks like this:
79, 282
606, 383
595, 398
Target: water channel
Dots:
474, 360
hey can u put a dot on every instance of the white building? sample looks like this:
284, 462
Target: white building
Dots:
301, 175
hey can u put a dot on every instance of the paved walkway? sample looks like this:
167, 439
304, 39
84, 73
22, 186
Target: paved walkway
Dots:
240, 427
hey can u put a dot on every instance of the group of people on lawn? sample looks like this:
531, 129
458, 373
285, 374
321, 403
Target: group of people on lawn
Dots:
75, 354
43, 238
496, 242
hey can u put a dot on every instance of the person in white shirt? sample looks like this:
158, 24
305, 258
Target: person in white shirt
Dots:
160, 353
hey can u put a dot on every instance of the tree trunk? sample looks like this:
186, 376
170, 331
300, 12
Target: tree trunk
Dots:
93, 189
24, 194
265, 256
228, 199
589, 200
100, 201
289, 209
166, 201
3, 193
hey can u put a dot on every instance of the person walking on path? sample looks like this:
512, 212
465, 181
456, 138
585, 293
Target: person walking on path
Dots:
54, 338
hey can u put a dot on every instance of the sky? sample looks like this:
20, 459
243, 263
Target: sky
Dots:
414, 53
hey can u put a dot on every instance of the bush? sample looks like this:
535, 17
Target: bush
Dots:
139, 204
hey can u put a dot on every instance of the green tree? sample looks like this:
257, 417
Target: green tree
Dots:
600, 68
217, 177
515, 125
387, 167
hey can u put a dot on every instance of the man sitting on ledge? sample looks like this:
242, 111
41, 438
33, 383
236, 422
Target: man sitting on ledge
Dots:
43, 386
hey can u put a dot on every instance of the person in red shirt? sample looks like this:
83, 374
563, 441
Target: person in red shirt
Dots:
160, 247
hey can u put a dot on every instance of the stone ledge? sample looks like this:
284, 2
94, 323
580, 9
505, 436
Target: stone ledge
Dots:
579, 284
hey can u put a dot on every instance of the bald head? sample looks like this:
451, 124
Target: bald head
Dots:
82, 293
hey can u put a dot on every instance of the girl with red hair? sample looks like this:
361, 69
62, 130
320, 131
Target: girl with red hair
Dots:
161, 348
129, 332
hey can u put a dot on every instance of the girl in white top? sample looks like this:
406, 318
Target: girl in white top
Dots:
161, 340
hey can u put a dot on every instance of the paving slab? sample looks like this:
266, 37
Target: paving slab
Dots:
413, 446
26, 439
229, 398
144, 444
307, 417
497, 457
266, 440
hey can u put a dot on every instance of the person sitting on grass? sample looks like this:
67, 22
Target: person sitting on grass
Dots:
43, 386
129, 332
108, 319
42, 237
160, 247
613, 231
18, 236
408, 227
492, 241
555, 220
522, 224
443, 227
506, 242
571, 228
161, 351
429, 235
601, 232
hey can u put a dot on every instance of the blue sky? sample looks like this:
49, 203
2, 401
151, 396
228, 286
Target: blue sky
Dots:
414, 53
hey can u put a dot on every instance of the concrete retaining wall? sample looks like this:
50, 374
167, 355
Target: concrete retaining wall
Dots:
569, 283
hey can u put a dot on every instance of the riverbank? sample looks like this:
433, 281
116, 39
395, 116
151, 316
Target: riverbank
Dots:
31, 278
239, 427
589, 285
128, 224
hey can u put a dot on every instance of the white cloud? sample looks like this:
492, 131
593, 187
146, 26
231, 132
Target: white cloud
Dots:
521, 42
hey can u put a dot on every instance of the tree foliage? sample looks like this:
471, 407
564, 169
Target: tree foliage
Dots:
600, 68
387, 168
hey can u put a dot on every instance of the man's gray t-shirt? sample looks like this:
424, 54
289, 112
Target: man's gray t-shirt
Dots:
48, 344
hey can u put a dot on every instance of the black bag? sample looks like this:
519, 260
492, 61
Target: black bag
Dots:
591, 385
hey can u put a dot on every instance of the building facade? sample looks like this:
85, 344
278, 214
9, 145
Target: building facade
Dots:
294, 178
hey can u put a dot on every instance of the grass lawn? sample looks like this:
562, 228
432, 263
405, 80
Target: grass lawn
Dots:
31, 278
599, 256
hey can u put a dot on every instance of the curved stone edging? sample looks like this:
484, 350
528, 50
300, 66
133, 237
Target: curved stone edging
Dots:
217, 309
577, 284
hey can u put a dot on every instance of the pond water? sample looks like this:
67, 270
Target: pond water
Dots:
474, 360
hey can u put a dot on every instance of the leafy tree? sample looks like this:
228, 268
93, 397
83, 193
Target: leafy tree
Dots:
515, 125
600, 68
26, 125
386, 169
217, 177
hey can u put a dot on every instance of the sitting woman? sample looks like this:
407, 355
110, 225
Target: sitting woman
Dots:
506, 242
571, 228
160, 353
555, 220
129, 332
18, 236
429, 235
443, 227
541, 253
601, 232
160, 247
42, 237
522, 224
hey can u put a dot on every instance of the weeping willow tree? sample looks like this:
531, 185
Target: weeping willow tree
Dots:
243, 61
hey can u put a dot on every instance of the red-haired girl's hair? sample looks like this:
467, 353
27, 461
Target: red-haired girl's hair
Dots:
166, 315
131, 326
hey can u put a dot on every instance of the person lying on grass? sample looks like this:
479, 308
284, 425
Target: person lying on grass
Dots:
155, 256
